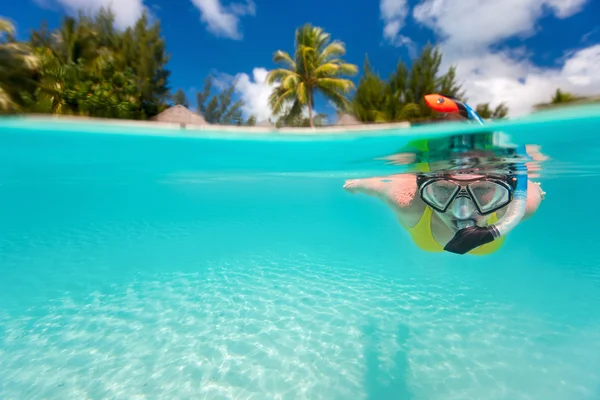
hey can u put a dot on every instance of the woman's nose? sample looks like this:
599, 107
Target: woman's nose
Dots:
462, 208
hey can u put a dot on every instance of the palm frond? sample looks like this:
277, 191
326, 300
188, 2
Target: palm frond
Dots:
6, 27
283, 57
277, 75
290, 81
5, 100
336, 84
326, 70
334, 49
302, 93
348, 69
316, 66
337, 98
279, 97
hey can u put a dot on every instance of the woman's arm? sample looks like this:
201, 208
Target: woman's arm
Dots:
535, 195
534, 166
397, 191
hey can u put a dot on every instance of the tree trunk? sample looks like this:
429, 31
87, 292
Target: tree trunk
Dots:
310, 116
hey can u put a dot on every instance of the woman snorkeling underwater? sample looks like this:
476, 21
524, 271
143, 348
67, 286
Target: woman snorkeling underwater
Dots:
466, 209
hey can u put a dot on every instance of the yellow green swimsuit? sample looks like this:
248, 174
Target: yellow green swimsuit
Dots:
423, 237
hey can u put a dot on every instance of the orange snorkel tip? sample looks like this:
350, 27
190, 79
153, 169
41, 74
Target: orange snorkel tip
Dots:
441, 104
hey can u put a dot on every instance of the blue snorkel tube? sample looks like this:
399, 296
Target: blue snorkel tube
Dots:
471, 114
518, 206
474, 236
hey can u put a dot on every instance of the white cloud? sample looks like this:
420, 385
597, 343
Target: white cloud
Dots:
126, 12
223, 20
476, 23
496, 77
467, 30
393, 13
255, 91
566, 8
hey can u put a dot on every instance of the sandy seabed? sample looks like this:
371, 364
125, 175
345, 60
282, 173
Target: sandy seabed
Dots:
276, 326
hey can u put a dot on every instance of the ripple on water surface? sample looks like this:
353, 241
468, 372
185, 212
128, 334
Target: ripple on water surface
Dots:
288, 327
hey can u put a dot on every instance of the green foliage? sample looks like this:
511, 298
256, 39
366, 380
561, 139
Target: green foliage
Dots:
17, 70
76, 89
220, 109
562, 97
317, 67
401, 97
485, 112
369, 102
88, 67
251, 121
295, 118
179, 98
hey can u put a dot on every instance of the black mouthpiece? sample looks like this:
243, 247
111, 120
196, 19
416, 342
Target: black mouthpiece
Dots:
469, 238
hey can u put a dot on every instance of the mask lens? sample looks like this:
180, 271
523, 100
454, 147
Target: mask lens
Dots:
439, 194
489, 196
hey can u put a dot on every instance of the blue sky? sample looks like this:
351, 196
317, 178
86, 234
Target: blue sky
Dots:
512, 51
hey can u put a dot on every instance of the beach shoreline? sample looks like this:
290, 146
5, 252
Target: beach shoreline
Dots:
173, 126
52, 122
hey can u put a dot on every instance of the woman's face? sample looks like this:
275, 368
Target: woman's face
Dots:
462, 212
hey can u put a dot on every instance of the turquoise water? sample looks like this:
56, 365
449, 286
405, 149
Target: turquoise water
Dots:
154, 264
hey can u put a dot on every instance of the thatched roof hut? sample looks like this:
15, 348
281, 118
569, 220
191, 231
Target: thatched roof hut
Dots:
266, 124
180, 115
347, 119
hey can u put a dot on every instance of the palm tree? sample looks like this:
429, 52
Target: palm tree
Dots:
16, 68
316, 67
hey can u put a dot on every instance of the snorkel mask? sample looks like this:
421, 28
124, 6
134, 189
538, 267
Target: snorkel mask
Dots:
464, 199
486, 194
